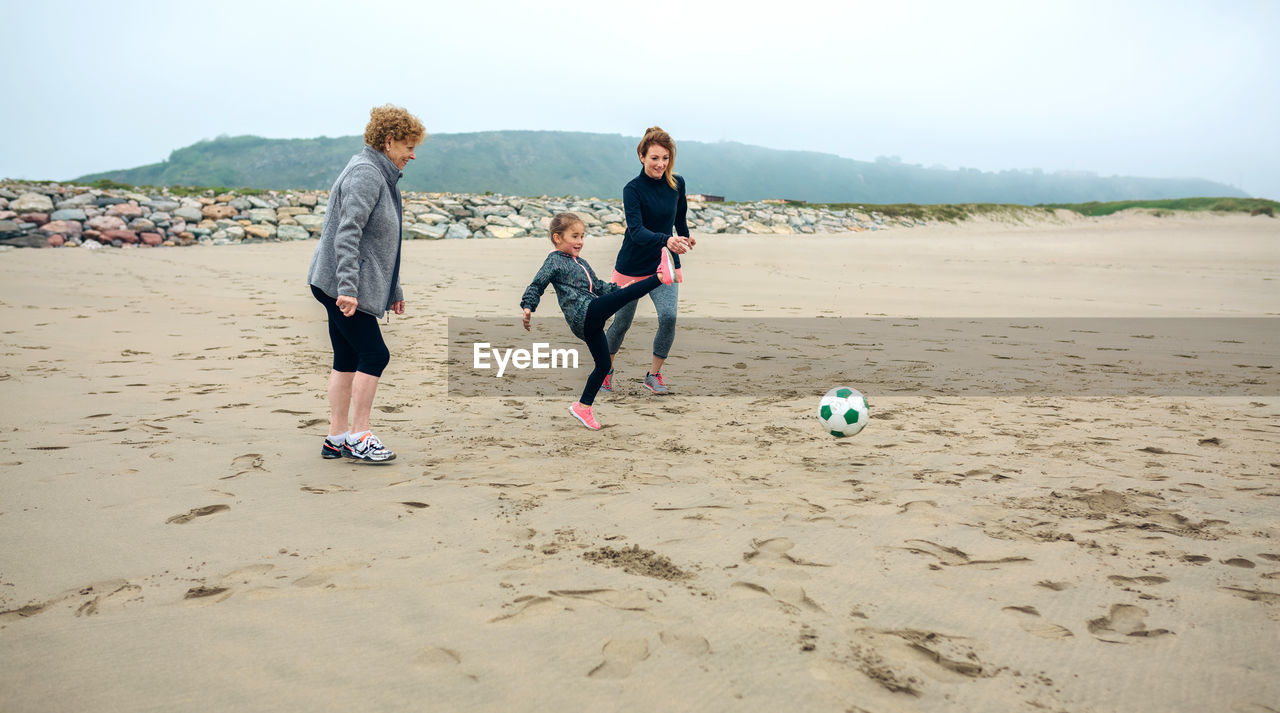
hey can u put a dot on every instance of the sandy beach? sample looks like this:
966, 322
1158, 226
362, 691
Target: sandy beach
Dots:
170, 539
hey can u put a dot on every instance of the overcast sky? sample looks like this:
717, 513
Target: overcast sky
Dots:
1167, 88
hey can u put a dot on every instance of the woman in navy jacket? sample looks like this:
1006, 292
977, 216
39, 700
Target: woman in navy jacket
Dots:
655, 207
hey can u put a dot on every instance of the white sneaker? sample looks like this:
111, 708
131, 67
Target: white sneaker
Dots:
369, 449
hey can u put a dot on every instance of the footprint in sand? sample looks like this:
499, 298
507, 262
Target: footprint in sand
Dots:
1253, 595
529, 606
243, 464
620, 657
634, 600
96, 598
775, 553
952, 557
792, 596
326, 489
1122, 581
438, 660
686, 642
194, 513
1239, 562
1030, 622
1123, 625
113, 594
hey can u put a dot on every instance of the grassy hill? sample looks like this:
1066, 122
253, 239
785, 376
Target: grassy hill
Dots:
572, 163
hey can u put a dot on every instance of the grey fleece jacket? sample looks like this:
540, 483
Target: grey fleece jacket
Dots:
575, 283
359, 250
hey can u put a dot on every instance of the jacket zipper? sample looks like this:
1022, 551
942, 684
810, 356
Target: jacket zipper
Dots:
590, 285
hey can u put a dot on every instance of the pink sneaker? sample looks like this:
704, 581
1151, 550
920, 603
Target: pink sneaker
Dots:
583, 413
666, 267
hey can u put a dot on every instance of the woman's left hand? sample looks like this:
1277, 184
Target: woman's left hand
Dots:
398, 307
690, 239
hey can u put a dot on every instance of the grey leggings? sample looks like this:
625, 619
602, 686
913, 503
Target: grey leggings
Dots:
665, 300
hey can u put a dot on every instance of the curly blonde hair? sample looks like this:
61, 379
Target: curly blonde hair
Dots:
655, 135
390, 121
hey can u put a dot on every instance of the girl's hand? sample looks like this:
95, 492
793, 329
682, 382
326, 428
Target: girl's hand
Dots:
677, 245
527, 316
398, 307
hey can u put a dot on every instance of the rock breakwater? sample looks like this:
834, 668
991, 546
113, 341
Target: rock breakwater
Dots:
60, 215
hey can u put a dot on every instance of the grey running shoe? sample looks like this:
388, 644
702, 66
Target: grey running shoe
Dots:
654, 383
608, 382
370, 450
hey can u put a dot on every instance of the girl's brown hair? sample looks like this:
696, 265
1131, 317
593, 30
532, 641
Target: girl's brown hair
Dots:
561, 223
392, 122
655, 135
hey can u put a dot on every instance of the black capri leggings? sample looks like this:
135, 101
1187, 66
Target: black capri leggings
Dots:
357, 341
600, 309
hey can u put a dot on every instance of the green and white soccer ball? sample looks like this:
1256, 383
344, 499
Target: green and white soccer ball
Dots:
843, 411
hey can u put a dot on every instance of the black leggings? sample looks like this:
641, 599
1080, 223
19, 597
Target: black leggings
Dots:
601, 309
357, 341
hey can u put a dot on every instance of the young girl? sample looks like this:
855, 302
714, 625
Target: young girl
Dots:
585, 300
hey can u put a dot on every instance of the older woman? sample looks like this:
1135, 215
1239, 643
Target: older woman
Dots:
355, 274
654, 203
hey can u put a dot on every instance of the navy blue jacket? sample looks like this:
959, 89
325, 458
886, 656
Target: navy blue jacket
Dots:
652, 207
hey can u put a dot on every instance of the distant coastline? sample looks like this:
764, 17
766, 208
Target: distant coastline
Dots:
535, 163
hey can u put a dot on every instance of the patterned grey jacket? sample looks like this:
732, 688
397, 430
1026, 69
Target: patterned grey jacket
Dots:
359, 250
576, 285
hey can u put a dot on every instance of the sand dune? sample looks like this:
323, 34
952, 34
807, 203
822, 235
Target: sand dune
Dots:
170, 539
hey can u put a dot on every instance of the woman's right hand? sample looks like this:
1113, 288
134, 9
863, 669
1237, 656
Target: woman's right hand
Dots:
346, 305
527, 316
677, 245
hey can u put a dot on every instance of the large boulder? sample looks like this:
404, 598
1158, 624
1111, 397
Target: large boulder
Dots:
262, 215
457, 231
503, 231
30, 240
188, 214
487, 210
127, 211
312, 223
32, 203
216, 211
68, 214
66, 227
292, 232
78, 201
105, 222
125, 236
262, 230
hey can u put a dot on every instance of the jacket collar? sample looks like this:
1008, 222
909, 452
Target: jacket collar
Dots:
389, 170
